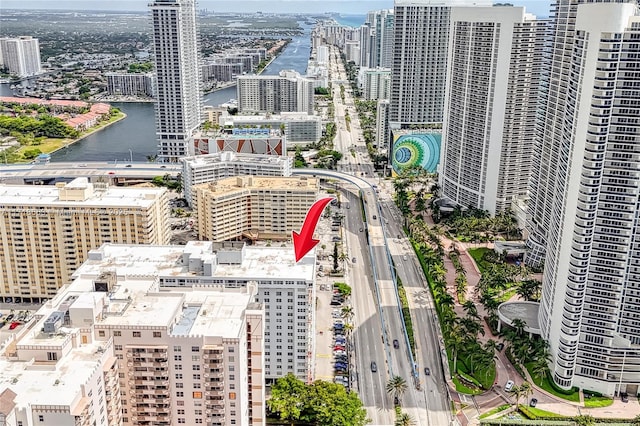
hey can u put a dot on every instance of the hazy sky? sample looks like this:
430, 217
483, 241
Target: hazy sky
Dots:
538, 7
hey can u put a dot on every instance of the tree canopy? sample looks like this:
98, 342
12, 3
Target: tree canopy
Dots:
320, 403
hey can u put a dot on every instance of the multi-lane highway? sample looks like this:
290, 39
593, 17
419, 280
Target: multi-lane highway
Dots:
378, 320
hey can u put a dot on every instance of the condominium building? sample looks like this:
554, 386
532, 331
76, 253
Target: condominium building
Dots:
421, 37
299, 128
322, 54
376, 39
131, 84
383, 134
286, 92
124, 351
179, 95
208, 168
46, 231
491, 102
21, 56
221, 72
589, 306
252, 207
376, 83
286, 292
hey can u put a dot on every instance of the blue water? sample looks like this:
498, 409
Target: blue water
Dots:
351, 20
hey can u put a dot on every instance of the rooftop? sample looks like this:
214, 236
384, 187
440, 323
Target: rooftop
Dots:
526, 311
229, 157
230, 184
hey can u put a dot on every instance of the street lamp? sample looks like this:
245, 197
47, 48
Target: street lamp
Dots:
130, 156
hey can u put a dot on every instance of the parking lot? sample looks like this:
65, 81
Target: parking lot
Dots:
332, 347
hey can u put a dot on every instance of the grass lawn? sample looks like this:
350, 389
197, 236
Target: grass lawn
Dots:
597, 402
460, 387
494, 411
477, 254
541, 413
546, 385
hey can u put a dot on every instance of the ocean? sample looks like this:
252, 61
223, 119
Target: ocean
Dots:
350, 20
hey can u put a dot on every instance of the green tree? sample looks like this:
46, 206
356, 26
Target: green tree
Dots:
288, 397
336, 257
584, 420
396, 387
636, 421
404, 420
330, 404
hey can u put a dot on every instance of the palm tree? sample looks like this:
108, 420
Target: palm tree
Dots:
455, 342
347, 312
471, 309
540, 368
526, 389
517, 392
584, 420
397, 386
404, 420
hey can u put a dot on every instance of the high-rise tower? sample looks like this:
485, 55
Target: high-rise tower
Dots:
586, 195
495, 60
178, 91
421, 36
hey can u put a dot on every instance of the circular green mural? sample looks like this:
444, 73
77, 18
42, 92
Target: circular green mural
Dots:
422, 150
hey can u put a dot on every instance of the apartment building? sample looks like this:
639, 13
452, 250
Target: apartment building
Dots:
252, 207
208, 168
383, 134
221, 72
588, 311
126, 84
242, 140
21, 56
299, 128
179, 93
376, 39
421, 39
286, 92
491, 102
125, 352
285, 290
46, 232
376, 83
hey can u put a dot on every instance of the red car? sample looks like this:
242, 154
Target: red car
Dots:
338, 348
14, 325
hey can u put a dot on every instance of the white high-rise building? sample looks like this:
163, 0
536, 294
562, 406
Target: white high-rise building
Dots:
491, 103
376, 83
286, 92
128, 84
591, 281
419, 68
178, 85
113, 348
21, 56
383, 133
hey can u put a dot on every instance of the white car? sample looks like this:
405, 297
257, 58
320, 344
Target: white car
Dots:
508, 386
338, 321
339, 352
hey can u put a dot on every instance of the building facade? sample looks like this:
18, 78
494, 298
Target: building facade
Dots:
178, 93
376, 84
491, 103
21, 56
383, 134
46, 232
421, 37
252, 207
286, 92
286, 292
588, 311
125, 84
299, 128
208, 168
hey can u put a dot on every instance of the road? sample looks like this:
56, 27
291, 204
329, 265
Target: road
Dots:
378, 321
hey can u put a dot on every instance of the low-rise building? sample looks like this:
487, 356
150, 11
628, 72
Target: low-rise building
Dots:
299, 128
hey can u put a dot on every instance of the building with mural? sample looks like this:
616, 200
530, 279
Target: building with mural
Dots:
416, 148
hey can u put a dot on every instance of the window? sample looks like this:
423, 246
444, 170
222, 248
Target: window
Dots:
195, 348
41, 418
157, 334
180, 394
232, 395
179, 385
179, 376
195, 358
197, 394
196, 377
198, 420
117, 333
181, 420
232, 349
177, 348
137, 334
232, 376
177, 357
181, 411
197, 385
52, 356
100, 333
117, 347
196, 367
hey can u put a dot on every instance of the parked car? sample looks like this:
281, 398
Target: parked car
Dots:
396, 344
374, 367
339, 352
341, 340
427, 371
338, 321
14, 325
335, 302
533, 402
624, 396
353, 260
338, 326
508, 386
361, 229
500, 346
339, 348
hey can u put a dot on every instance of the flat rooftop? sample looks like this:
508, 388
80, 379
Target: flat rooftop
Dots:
141, 266
233, 157
230, 184
526, 311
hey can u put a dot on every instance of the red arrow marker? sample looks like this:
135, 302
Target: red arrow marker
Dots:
303, 242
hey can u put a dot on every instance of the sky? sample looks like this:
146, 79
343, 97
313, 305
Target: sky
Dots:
537, 7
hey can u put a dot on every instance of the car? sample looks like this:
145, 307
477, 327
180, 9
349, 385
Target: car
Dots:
533, 402
404, 257
336, 239
9, 317
163, 167
339, 352
338, 327
14, 325
508, 386
427, 371
353, 260
348, 207
624, 397
128, 165
500, 346
375, 217
340, 339
361, 229
112, 173
339, 348
335, 315
396, 344
335, 302
338, 332
340, 357
341, 365
374, 367
340, 369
